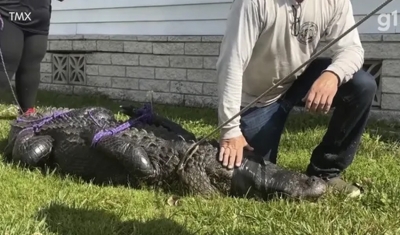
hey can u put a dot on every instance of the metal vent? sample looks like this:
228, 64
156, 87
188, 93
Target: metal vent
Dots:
375, 69
69, 69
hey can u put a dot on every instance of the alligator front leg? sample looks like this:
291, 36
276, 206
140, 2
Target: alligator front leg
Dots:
134, 158
197, 181
193, 173
32, 150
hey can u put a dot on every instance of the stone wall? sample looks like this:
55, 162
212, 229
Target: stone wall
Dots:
179, 70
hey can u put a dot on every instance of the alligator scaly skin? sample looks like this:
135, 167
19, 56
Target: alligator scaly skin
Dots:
146, 154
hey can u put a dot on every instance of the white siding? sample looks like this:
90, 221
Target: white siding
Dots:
364, 7
171, 17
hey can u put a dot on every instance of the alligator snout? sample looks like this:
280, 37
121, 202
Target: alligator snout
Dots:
317, 186
312, 180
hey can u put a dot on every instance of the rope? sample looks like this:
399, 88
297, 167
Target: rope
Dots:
5, 69
187, 156
193, 148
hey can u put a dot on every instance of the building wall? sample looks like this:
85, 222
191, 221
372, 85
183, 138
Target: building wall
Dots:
125, 48
171, 17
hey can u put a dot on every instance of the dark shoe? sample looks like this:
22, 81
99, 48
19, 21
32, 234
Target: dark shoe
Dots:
339, 185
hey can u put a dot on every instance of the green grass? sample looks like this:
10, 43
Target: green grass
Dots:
32, 203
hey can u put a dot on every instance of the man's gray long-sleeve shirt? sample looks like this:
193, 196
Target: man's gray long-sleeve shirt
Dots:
261, 45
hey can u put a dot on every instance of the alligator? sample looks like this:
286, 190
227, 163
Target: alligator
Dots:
147, 149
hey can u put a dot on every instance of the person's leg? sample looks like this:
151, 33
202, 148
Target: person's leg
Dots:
262, 128
11, 45
27, 77
258, 123
352, 105
339, 145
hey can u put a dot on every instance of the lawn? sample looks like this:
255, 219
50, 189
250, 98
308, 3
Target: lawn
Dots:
33, 203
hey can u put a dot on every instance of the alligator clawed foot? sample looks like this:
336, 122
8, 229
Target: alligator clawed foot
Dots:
129, 110
135, 111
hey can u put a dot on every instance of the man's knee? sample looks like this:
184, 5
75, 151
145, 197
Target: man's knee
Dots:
364, 84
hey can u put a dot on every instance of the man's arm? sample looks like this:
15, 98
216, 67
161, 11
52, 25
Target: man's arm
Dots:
242, 31
348, 52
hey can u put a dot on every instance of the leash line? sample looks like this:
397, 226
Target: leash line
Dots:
5, 68
195, 145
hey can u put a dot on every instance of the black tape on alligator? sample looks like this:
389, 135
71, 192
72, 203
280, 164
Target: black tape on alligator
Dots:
91, 144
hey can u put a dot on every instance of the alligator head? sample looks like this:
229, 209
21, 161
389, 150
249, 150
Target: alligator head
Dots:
262, 179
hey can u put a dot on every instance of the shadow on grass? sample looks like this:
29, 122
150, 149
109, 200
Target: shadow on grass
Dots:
63, 220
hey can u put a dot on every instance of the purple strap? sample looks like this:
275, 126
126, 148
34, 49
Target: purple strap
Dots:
55, 115
145, 117
93, 118
36, 127
51, 116
43, 121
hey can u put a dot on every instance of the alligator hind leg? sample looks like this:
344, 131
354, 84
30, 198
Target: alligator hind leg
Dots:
32, 150
174, 127
133, 158
158, 120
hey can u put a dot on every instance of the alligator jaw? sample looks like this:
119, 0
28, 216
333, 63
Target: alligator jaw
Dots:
262, 180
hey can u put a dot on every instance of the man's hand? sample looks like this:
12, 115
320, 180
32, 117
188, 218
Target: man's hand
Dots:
231, 151
320, 96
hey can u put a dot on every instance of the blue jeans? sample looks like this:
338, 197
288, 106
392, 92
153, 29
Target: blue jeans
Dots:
262, 126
